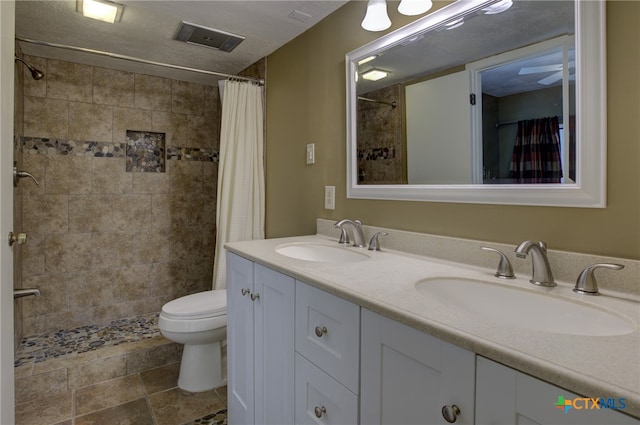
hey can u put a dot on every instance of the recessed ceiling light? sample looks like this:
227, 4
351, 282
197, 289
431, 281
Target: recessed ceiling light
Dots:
375, 74
367, 59
102, 10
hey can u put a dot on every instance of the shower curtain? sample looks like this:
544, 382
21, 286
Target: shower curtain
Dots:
536, 154
240, 200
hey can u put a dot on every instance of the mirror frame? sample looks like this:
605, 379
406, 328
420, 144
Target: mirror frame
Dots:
591, 122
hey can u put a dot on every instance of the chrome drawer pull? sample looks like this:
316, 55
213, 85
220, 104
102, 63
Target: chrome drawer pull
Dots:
245, 291
319, 411
255, 297
319, 332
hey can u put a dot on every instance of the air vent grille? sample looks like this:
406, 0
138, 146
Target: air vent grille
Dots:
208, 37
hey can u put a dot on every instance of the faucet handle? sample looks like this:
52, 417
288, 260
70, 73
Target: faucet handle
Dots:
504, 271
374, 243
586, 283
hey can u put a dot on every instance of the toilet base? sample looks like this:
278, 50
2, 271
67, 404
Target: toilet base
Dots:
194, 377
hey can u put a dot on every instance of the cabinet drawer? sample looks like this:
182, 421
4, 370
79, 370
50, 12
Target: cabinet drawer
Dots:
328, 333
320, 399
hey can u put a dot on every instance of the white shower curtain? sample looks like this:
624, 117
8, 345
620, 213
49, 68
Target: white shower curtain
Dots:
240, 202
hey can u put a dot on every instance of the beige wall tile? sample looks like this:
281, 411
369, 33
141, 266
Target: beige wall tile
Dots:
201, 132
69, 81
46, 118
112, 249
152, 93
45, 214
131, 212
152, 246
153, 183
109, 176
65, 253
185, 177
91, 289
129, 119
187, 98
113, 87
33, 255
161, 378
132, 283
91, 213
173, 125
53, 291
90, 122
84, 374
66, 175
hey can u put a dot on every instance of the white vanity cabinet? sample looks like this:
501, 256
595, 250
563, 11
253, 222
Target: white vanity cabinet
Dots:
327, 358
260, 343
409, 377
507, 396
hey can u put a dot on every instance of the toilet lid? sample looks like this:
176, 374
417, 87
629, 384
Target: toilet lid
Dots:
198, 306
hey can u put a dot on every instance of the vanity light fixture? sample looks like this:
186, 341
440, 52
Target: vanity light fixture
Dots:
414, 7
102, 10
377, 19
375, 74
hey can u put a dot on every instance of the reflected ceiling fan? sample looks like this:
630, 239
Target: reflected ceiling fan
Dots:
555, 68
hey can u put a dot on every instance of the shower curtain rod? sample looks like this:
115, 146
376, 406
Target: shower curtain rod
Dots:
366, 99
139, 60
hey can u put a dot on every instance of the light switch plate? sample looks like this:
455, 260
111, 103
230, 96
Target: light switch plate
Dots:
311, 153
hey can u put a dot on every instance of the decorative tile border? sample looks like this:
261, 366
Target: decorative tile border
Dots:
145, 151
193, 154
374, 154
50, 147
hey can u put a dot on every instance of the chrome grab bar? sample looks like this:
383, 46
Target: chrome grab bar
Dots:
19, 293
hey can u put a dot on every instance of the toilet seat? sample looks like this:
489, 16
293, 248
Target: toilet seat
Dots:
201, 305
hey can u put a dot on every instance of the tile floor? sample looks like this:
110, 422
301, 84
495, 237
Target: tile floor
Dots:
145, 394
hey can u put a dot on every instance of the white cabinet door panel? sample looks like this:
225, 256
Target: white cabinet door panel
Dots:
320, 399
409, 376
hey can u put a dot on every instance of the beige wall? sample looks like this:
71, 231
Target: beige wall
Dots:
306, 104
105, 243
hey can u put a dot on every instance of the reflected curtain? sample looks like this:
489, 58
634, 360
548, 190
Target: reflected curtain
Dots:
241, 198
536, 154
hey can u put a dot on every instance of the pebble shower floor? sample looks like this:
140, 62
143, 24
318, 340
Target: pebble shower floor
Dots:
57, 344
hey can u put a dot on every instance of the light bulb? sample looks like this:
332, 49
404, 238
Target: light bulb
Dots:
376, 18
414, 7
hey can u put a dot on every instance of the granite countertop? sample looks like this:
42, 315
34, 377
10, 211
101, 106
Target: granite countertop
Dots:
593, 366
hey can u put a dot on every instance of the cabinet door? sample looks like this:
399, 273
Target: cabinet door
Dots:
407, 376
506, 396
327, 333
240, 348
320, 399
274, 297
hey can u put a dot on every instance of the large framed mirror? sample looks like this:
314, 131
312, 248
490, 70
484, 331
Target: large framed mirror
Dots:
477, 104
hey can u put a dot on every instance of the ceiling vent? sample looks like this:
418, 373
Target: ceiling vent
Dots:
208, 37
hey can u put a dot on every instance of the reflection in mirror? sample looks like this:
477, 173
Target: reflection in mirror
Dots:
463, 98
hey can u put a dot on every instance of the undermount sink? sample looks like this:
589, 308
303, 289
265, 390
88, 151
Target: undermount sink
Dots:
518, 308
321, 253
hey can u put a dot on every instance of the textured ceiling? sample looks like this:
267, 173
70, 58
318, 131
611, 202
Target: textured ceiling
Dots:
147, 29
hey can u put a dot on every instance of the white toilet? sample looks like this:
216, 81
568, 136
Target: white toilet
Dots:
199, 321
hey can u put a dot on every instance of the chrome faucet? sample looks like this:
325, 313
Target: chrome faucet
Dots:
356, 231
541, 275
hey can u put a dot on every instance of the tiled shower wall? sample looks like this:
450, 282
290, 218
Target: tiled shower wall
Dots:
105, 243
18, 117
